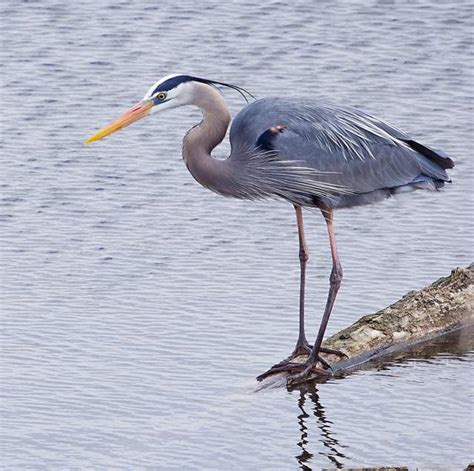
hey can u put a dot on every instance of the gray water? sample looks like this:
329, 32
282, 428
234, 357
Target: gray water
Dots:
138, 307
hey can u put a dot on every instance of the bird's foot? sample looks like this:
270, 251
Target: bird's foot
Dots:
299, 372
302, 371
311, 372
305, 348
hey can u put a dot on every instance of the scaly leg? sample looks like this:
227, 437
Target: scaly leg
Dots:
303, 371
334, 285
335, 279
302, 345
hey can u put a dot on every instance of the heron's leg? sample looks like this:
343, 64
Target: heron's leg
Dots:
307, 371
334, 285
301, 372
302, 345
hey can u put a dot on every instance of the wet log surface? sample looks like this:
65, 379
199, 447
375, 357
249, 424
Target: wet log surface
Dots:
443, 308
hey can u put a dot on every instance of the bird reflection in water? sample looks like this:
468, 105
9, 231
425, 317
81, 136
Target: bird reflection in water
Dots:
309, 401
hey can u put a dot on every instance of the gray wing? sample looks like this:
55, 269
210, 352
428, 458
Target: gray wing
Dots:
348, 148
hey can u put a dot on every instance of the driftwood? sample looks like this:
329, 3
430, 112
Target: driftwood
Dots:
420, 317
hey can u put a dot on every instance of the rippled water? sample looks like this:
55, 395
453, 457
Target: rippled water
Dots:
138, 307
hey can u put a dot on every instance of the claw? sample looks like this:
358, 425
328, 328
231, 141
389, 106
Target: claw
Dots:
325, 363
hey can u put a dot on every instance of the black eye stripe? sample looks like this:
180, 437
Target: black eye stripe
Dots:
173, 82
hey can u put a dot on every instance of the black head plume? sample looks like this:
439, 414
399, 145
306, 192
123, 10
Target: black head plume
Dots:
173, 81
245, 93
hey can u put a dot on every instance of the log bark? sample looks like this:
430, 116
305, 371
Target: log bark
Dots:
418, 318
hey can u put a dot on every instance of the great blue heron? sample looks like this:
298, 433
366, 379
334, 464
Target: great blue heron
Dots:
308, 153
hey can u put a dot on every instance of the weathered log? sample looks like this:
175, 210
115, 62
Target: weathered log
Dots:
444, 307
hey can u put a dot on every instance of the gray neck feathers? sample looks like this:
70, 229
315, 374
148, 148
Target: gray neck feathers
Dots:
203, 138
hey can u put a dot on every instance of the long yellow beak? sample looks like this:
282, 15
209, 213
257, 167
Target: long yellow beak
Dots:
140, 110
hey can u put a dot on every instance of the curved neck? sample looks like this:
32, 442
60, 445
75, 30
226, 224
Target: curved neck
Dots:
203, 138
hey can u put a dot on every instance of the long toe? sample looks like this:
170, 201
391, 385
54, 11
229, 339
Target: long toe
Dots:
299, 372
331, 351
283, 367
326, 364
282, 363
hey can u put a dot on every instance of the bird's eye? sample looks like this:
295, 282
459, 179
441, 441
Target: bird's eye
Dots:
161, 96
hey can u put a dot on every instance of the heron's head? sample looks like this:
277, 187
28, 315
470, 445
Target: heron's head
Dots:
169, 92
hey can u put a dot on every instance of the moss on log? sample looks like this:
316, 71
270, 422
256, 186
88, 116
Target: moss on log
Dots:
419, 317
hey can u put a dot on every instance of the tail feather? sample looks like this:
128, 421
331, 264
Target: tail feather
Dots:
443, 161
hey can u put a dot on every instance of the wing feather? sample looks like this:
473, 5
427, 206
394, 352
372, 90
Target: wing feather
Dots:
348, 148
